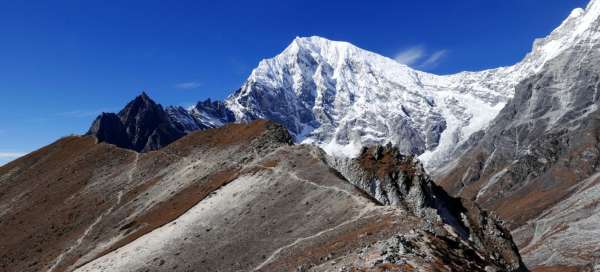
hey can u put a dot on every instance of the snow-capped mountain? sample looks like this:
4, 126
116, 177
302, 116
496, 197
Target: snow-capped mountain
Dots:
342, 97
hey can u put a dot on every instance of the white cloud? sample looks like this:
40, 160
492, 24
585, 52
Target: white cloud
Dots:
188, 85
418, 57
410, 56
10, 155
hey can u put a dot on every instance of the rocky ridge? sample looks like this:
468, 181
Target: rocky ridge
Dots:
400, 180
239, 198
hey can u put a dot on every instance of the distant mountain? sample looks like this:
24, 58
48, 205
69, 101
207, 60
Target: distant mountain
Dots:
205, 114
142, 125
237, 198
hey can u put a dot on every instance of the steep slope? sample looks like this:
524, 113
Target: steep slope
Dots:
537, 163
237, 198
399, 180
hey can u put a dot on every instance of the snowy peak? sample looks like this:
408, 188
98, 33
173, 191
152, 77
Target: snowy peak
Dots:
342, 97
581, 26
305, 54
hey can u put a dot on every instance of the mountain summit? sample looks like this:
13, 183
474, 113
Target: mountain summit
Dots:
142, 125
341, 97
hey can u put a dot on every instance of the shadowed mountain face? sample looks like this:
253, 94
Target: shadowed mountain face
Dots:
236, 198
142, 126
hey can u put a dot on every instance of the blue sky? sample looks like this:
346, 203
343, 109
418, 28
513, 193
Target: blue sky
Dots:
63, 62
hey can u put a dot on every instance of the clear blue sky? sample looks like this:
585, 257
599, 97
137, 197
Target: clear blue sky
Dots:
62, 62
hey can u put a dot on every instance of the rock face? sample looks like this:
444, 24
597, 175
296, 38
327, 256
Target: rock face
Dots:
236, 198
142, 126
108, 128
398, 180
537, 164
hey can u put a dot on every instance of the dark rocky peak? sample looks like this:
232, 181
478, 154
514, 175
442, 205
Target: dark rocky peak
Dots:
141, 109
147, 124
108, 128
400, 180
143, 125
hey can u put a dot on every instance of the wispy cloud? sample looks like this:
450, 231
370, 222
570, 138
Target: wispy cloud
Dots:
410, 56
419, 57
188, 85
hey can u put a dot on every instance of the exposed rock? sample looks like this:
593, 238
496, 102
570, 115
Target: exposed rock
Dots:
538, 161
399, 180
142, 126
108, 128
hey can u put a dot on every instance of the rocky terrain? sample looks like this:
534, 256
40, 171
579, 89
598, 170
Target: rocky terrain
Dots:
537, 164
237, 198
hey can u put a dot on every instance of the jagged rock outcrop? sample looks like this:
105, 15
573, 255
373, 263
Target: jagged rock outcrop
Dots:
399, 180
236, 198
142, 126
537, 163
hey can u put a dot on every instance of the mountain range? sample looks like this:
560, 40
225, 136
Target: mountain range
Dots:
331, 158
